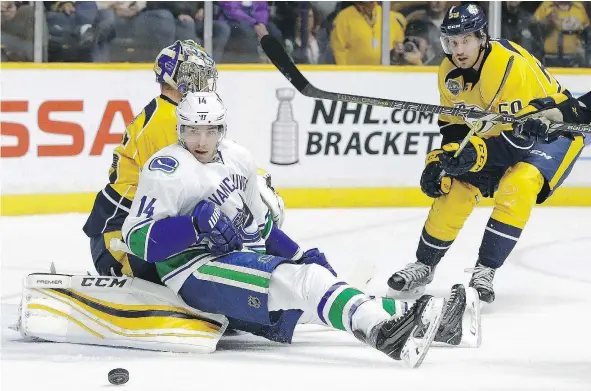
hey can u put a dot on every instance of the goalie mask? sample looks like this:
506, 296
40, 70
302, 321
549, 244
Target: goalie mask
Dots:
201, 124
186, 67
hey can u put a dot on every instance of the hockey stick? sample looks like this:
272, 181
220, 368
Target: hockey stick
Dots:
285, 65
473, 128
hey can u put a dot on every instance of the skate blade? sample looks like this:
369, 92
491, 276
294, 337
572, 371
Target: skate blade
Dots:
471, 322
415, 349
412, 294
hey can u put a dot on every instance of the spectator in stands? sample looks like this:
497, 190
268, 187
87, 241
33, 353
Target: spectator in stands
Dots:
168, 21
516, 26
129, 44
323, 36
564, 26
294, 44
434, 13
221, 31
18, 24
248, 20
324, 8
356, 36
125, 16
419, 46
431, 18
79, 31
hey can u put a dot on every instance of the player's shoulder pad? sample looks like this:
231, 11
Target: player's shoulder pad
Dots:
445, 76
230, 148
160, 115
495, 65
169, 162
445, 67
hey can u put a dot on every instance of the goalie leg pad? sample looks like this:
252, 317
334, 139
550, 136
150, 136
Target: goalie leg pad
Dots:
114, 311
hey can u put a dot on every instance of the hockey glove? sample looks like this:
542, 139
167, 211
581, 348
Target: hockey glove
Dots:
209, 220
472, 158
273, 200
433, 184
314, 256
537, 115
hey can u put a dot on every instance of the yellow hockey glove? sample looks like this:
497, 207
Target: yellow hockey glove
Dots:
433, 184
472, 158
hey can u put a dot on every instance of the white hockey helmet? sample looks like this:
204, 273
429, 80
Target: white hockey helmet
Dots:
201, 109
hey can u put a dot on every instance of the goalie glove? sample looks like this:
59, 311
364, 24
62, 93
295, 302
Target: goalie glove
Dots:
538, 114
471, 159
273, 200
433, 184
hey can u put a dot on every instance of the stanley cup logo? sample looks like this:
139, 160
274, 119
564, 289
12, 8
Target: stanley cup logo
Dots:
284, 130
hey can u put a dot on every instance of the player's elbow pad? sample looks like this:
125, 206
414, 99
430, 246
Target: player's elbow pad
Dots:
164, 238
281, 245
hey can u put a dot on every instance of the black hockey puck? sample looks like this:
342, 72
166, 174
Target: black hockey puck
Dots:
118, 376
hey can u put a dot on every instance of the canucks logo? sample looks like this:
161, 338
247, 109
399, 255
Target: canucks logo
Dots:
453, 86
166, 164
242, 221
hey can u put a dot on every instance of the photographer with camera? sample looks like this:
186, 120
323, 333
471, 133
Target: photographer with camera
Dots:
418, 48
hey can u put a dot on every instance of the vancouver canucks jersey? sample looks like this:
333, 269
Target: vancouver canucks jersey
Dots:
172, 182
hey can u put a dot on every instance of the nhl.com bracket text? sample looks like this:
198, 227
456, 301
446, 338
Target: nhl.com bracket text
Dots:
349, 129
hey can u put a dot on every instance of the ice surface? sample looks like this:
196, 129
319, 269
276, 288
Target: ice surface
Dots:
536, 334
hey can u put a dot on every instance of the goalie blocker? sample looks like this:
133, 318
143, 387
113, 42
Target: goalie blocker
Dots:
114, 311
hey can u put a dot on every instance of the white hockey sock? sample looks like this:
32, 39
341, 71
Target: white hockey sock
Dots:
372, 312
323, 298
394, 307
367, 316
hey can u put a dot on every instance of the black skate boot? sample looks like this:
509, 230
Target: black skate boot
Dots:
412, 278
482, 281
396, 336
460, 323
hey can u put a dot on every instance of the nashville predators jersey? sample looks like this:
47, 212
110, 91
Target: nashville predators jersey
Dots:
153, 129
481, 90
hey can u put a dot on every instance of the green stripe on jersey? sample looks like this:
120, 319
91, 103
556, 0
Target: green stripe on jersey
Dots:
235, 276
335, 314
176, 261
267, 228
138, 239
389, 305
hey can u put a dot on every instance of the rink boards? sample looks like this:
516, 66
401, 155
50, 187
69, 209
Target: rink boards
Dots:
61, 122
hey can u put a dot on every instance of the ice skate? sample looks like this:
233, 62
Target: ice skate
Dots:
396, 336
460, 324
410, 282
482, 281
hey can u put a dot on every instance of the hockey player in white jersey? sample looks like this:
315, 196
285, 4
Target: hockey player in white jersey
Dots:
198, 216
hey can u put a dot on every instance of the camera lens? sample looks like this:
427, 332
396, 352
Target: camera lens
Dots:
409, 47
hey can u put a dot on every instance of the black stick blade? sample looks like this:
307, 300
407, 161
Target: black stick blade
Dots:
281, 60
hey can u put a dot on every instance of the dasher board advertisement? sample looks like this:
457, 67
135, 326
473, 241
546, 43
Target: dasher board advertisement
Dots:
58, 137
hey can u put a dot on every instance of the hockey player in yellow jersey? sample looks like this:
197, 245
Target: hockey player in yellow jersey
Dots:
182, 67
518, 167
